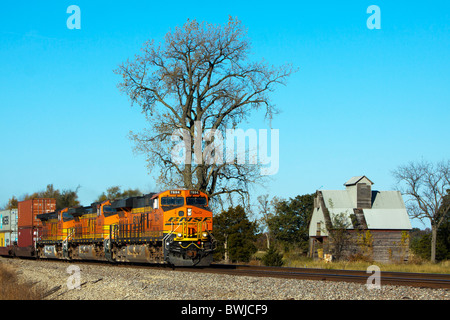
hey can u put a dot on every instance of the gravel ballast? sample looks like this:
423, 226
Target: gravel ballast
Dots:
108, 282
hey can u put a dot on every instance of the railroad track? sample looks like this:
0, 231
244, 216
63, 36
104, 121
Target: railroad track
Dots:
425, 280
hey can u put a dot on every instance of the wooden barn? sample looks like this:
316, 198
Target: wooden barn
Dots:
359, 223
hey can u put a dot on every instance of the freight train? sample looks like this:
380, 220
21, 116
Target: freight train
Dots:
171, 227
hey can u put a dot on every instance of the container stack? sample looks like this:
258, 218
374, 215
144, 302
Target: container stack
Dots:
28, 223
8, 227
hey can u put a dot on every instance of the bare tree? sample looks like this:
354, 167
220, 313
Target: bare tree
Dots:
339, 237
266, 213
199, 80
427, 186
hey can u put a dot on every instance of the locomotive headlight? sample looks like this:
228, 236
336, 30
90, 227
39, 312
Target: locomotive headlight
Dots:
189, 211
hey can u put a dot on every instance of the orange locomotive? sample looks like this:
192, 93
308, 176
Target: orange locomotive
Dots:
172, 226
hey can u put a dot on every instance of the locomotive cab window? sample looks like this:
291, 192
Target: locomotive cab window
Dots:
66, 216
108, 211
196, 201
172, 201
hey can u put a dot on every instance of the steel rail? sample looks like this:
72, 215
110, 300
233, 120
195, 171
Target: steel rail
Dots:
426, 280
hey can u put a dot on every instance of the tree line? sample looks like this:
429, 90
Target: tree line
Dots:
68, 198
64, 198
275, 226
281, 225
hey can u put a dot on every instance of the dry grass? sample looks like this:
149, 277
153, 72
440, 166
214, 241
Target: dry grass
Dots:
413, 266
11, 289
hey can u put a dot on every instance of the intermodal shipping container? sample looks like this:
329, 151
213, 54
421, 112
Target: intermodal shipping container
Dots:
8, 220
4, 239
29, 209
13, 240
27, 236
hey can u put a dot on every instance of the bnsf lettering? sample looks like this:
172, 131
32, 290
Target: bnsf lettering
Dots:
191, 219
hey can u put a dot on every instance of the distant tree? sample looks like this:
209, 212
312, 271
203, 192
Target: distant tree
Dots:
265, 211
426, 185
422, 248
51, 192
114, 193
417, 233
64, 199
68, 199
338, 236
444, 237
235, 234
290, 222
13, 203
272, 257
131, 193
421, 242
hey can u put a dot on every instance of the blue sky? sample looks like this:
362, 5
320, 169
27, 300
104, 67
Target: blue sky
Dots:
362, 103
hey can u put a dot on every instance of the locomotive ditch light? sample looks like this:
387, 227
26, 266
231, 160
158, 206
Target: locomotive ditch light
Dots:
179, 235
205, 234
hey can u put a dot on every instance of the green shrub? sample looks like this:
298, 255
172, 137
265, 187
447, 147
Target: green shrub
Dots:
272, 258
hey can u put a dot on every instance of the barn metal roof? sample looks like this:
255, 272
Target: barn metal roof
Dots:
388, 209
355, 180
387, 219
337, 199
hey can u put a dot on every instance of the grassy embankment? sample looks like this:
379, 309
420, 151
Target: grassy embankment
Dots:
12, 289
423, 267
414, 265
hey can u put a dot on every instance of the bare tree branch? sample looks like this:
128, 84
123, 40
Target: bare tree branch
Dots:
427, 187
200, 73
